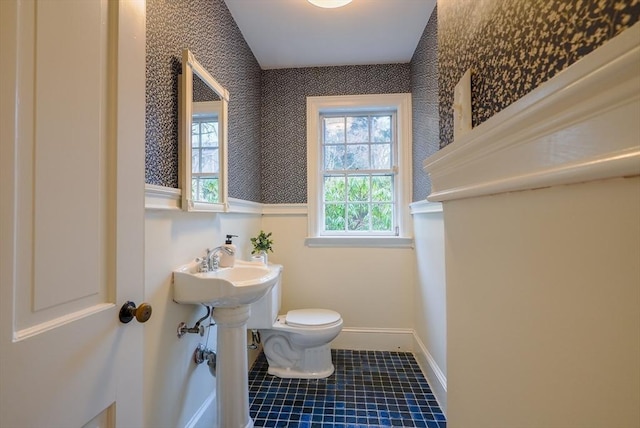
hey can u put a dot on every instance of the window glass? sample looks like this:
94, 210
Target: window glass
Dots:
357, 183
205, 160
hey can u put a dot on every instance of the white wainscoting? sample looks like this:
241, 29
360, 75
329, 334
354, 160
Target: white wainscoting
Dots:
436, 377
205, 416
429, 297
541, 205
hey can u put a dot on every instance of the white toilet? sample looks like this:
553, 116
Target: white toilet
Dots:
297, 345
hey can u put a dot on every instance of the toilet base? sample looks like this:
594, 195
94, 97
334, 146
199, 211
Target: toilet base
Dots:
288, 359
290, 373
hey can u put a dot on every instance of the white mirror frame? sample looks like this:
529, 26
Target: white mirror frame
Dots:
185, 95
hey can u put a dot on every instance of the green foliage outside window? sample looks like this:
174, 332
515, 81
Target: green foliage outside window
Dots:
205, 189
358, 203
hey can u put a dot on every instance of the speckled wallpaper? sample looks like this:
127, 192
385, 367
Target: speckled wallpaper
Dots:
284, 114
202, 91
512, 46
208, 29
424, 100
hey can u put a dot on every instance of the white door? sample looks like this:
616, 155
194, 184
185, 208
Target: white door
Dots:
71, 195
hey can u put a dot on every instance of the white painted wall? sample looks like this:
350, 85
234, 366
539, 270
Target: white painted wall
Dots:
543, 292
370, 287
374, 289
175, 388
542, 241
430, 300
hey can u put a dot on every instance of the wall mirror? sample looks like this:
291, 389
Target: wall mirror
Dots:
202, 138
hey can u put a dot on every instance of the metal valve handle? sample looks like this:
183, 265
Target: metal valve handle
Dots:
128, 311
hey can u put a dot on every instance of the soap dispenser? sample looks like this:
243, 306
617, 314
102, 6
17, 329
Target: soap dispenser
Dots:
228, 253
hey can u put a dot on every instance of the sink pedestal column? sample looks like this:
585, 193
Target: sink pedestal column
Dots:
232, 385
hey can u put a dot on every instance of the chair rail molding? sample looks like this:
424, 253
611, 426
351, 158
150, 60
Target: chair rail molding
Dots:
169, 198
284, 209
581, 125
161, 197
242, 206
425, 207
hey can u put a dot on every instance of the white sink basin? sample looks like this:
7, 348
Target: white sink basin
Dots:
242, 284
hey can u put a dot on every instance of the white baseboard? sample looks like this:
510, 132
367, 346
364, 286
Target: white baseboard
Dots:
205, 408
374, 339
436, 378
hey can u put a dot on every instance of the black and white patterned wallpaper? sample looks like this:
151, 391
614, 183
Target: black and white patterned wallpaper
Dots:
284, 104
202, 92
512, 46
424, 100
208, 29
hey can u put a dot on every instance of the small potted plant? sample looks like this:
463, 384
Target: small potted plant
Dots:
262, 245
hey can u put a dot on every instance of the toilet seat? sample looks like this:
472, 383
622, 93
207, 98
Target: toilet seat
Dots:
311, 318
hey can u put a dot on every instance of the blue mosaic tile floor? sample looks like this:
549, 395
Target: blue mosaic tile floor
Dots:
368, 389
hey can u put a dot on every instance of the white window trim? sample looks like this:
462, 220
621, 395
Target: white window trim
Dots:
317, 105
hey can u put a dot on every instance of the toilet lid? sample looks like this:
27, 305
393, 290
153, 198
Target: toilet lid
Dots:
311, 317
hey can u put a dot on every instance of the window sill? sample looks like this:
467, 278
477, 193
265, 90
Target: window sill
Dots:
359, 241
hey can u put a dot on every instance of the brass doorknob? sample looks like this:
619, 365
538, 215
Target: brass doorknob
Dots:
128, 311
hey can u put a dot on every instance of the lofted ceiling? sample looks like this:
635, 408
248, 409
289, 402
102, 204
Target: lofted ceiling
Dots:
294, 33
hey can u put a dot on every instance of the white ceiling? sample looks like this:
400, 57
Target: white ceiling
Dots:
294, 33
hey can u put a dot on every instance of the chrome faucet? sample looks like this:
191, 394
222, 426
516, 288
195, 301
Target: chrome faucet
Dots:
213, 256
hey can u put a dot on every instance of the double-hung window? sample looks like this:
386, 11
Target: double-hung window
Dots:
358, 160
357, 169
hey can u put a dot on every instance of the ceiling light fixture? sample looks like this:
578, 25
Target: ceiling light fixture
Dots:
329, 4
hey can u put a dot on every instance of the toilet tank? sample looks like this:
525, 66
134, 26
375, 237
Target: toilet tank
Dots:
265, 311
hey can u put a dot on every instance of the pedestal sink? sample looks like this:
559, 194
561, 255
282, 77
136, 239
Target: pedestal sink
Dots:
229, 291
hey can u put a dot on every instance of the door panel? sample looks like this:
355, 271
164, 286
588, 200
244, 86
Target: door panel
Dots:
72, 146
62, 151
